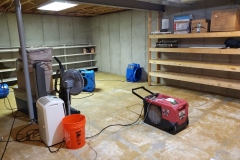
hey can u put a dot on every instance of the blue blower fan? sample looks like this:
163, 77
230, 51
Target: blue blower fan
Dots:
4, 90
89, 80
134, 72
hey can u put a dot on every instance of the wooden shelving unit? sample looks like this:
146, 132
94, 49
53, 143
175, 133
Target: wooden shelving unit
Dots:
88, 61
196, 64
198, 35
194, 78
213, 81
197, 50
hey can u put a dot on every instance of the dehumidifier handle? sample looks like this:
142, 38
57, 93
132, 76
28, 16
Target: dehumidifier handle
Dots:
56, 80
133, 91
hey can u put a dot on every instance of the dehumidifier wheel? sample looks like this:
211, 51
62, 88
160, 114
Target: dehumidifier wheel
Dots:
172, 129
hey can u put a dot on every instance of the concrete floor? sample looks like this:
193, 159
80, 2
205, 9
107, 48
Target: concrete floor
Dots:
213, 132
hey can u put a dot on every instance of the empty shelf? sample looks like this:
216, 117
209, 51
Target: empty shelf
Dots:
90, 67
77, 46
8, 60
198, 35
69, 55
219, 82
9, 79
197, 64
197, 50
8, 70
75, 62
8, 50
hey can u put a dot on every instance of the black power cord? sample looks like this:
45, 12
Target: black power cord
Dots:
8, 137
33, 133
123, 125
91, 94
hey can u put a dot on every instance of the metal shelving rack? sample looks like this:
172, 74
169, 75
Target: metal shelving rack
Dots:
90, 62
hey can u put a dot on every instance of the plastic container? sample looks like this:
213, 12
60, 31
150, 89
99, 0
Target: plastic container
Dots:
74, 130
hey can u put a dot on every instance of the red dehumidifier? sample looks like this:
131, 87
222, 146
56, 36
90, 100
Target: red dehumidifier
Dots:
164, 112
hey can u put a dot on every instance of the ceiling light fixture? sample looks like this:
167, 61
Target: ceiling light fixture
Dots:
57, 6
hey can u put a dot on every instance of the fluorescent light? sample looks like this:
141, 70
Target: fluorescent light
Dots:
57, 6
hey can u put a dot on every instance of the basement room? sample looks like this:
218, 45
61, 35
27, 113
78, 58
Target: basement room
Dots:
119, 80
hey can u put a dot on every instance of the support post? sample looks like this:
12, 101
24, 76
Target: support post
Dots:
149, 45
159, 24
24, 57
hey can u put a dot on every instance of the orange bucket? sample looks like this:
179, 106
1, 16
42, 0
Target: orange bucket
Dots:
74, 130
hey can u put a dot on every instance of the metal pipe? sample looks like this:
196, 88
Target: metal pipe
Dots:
24, 57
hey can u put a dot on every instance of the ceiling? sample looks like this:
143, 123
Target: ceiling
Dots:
89, 9
81, 10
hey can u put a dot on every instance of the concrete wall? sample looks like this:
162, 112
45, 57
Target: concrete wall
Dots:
43, 30
121, 39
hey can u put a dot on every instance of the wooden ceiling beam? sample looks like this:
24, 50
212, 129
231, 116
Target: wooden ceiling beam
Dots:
77, 8
28, 6
40, 2
22, 3
2, 9
3, 2
127, 4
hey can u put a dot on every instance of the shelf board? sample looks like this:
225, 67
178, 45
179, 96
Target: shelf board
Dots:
219, 82
198, 35
65, 63
90, 67
8, 50
198, 64
197, 50
9, 79
76, 46
2, 50
69, 55
7, 70
8, 60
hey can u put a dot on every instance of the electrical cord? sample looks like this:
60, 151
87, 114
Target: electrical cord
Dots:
33, 133
12, 109
89, 143
8, 137
91, 94
124, 125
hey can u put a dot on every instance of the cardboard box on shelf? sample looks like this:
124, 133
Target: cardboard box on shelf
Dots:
182, 24
199, 26
225, 20
199, 20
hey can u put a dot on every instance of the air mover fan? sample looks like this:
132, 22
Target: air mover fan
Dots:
71, 83
164, 112
89, 80
133, 72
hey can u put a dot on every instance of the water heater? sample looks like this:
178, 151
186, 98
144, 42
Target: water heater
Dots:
50, 111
